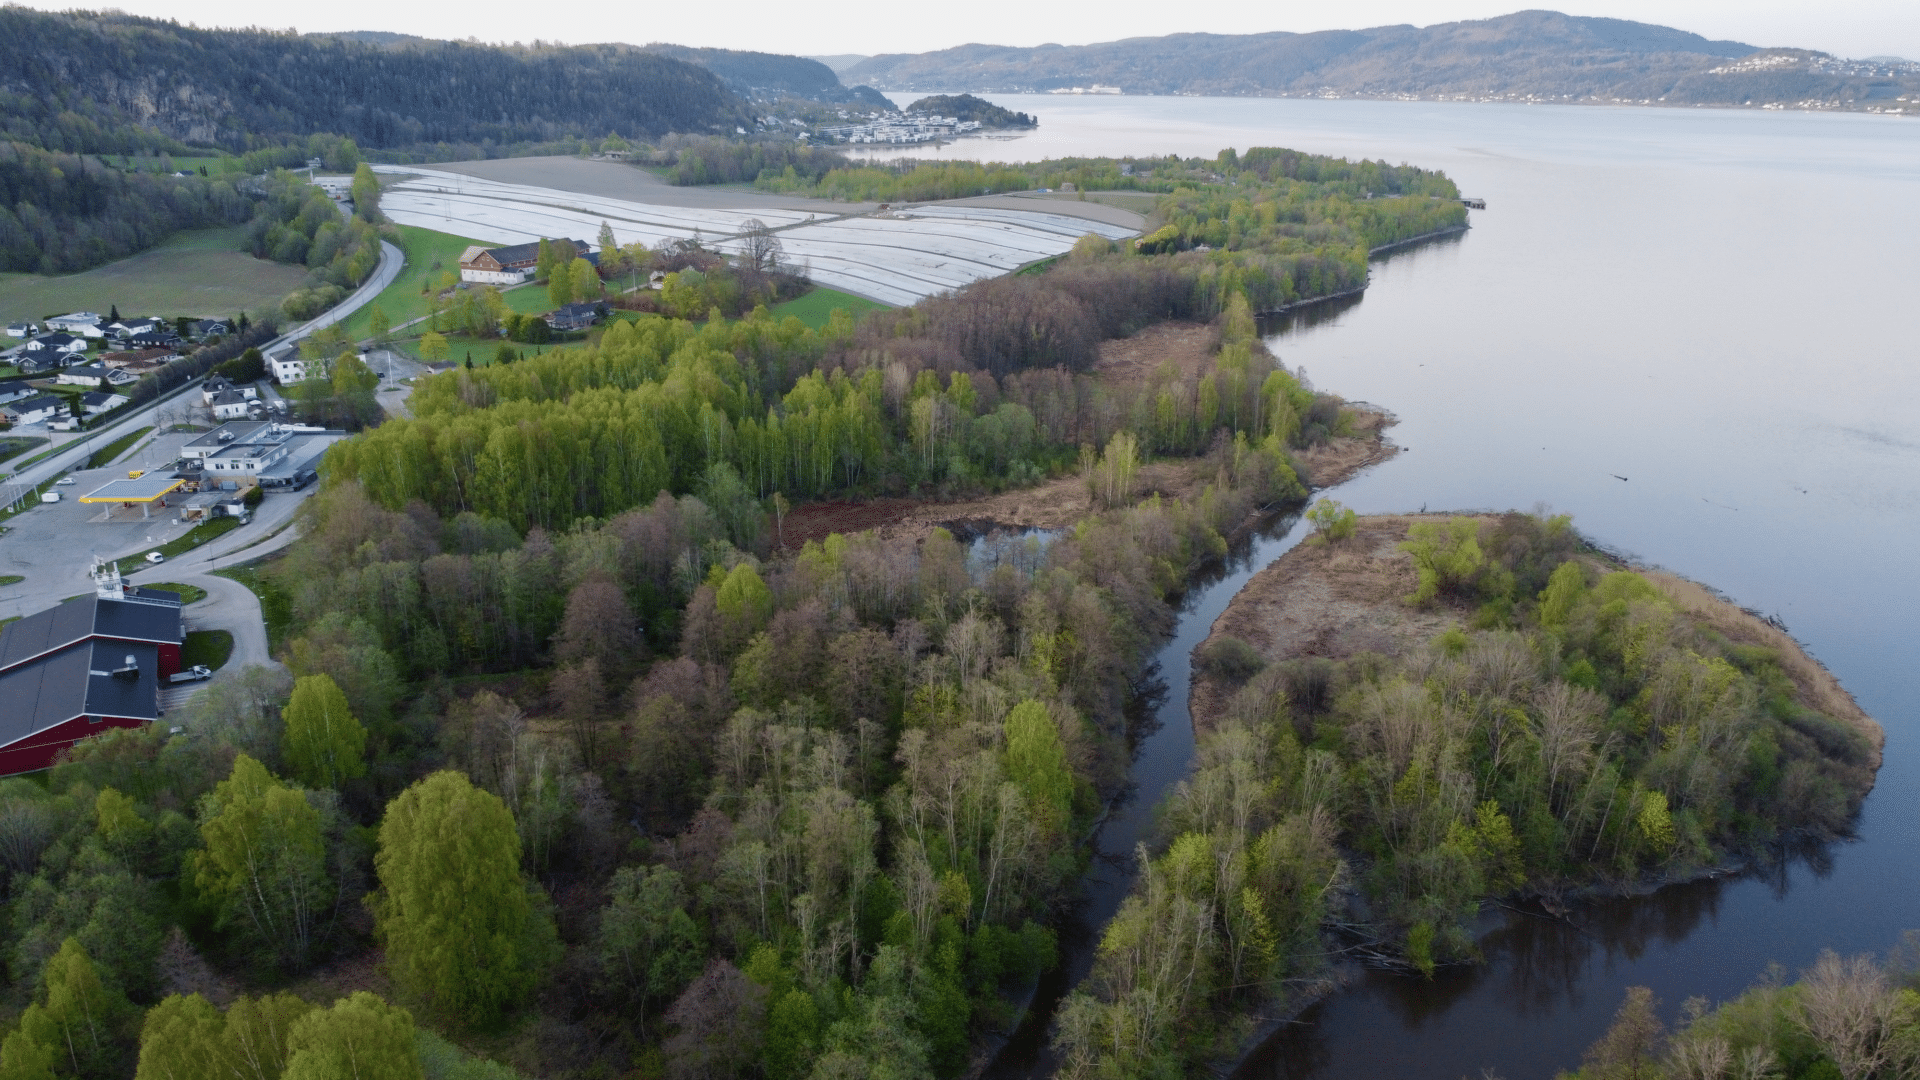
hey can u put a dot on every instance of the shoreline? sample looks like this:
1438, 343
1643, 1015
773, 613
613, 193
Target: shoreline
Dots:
1288, 611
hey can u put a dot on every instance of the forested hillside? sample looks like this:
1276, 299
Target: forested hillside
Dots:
772, 76
65, 212
122, 75
1529, 54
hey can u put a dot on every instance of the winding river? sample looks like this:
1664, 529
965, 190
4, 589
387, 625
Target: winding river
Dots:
1696, 331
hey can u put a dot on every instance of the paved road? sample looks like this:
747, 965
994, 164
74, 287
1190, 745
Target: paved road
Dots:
56, 571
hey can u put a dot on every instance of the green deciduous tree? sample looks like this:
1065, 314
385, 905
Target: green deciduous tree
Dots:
584, 281
265, 861
360, 1038
366, 194
379, 325
181, 1039
649, 948
560, 283
74, 1029
433, 346
1037, 762
324, 744
462, 929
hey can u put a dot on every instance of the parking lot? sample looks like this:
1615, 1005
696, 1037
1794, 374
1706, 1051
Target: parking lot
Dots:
52, 545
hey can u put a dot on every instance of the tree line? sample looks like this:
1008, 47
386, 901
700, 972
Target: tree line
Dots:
1849, 1018
61, 213
1585, 727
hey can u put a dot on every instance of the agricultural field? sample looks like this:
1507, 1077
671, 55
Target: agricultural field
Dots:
200, 272
897, 258
814, 308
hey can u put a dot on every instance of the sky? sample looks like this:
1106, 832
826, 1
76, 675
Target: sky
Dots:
1854, 28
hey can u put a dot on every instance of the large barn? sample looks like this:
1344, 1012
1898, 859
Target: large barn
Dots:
507, 265
95, 662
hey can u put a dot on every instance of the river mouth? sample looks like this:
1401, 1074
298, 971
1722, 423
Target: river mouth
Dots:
1641, 331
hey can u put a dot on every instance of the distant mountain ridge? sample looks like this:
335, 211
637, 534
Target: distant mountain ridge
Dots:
1529, 55
761, 76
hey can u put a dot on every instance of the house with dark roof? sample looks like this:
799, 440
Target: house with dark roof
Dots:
32, 410
158, 338
91, 374
575, 316
16, 389
208, 327
93, 663
57, 343
508, 265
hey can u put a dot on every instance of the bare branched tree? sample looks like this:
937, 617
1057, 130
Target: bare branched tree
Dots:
760, 248
1851, 1007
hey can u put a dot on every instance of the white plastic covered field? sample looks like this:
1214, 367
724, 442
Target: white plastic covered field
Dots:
896, 259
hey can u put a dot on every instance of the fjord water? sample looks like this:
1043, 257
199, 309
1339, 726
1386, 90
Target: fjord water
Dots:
1697, 331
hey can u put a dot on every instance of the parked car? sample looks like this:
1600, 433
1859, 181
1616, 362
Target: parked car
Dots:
65, 480
196, 673
155, 557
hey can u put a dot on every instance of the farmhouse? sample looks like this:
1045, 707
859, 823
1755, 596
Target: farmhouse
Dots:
32, 410
507, 265
95, 662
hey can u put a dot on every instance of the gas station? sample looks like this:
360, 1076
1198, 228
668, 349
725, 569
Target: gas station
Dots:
143, 491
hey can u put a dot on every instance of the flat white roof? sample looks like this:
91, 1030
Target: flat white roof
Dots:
141, 489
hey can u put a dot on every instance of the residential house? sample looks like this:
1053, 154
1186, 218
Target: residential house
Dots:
138, 362
202, 328
158, 338
125, 328
575, 316
91, 374
508, 265
33, 410
83, 323
98, 402
15, 389
231, 404
215, 385
91, 664
66, 344
20, 330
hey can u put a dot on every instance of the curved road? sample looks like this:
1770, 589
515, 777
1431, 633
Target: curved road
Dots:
229, 605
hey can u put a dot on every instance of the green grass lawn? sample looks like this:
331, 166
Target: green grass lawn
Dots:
11, 445
192, 538
814, 307
200, 272
209, 647
106, 454
276, 607
403, 299
188, 593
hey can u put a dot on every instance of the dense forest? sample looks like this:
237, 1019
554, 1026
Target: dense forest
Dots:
119, 74
723, 809
1588, 727
1846, 1018
61, 212
772, 76
296, 222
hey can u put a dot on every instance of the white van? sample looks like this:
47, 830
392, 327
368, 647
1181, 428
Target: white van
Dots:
50, 496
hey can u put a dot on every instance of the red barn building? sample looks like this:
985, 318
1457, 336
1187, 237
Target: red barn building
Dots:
73, 671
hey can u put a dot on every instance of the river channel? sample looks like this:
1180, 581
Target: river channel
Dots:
1696, 331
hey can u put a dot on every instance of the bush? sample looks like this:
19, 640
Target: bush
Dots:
1231, 658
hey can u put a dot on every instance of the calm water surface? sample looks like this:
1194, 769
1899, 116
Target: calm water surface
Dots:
1718, 307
